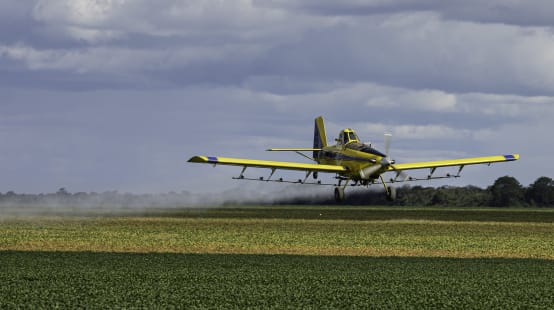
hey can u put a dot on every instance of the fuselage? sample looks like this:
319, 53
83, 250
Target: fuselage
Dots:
351, 153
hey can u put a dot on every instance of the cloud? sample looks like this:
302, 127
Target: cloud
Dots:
381, 101
419, 50
420, 131
114, 60
118, 94
431, 100
522, 13
165, 18
513, 107
177, 44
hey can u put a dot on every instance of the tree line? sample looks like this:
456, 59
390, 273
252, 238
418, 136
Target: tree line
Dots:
506, 191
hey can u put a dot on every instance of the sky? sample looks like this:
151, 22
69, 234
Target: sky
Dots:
105, 95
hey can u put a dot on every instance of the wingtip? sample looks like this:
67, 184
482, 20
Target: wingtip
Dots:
198, 159
511, 157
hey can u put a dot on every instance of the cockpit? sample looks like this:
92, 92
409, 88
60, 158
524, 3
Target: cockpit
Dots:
347, 136
349, 139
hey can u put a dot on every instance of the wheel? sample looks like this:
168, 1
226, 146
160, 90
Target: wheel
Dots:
339, 194
391, 194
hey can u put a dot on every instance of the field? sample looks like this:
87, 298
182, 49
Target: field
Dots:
281, 257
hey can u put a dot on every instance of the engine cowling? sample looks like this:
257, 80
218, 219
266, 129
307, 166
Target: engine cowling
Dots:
369, 171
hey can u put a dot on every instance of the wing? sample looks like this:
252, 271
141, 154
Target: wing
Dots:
266, 164
454, 162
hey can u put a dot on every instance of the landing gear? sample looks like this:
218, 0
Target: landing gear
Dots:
339, 194
391, 193
339, 190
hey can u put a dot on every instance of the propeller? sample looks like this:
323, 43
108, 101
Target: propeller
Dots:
367, 172
399, 173
388, 137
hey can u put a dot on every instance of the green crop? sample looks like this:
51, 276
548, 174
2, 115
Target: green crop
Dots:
110, 280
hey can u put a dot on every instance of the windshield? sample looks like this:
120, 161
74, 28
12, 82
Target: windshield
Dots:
365, 148
353, 136
345, 138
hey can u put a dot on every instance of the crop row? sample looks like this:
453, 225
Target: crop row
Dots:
107, 280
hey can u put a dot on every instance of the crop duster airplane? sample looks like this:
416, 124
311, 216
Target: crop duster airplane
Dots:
352, 161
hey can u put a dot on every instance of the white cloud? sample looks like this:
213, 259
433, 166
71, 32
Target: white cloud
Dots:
513, 106
93, 36
239, 18
430, 100
367, 97
416, 132
121, 60
92, 13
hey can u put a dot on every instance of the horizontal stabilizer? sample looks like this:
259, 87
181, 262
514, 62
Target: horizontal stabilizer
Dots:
293, 150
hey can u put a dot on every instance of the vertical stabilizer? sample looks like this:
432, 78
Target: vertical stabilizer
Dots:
320, 137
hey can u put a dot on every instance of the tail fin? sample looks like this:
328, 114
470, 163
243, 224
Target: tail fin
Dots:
320, 137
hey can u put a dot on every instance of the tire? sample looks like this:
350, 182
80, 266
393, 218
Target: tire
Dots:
339, 194
391, 194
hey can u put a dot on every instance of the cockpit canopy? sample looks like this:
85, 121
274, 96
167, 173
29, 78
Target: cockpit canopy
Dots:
347, 136
350, 140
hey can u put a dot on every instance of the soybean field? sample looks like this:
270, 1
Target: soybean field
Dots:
280, 257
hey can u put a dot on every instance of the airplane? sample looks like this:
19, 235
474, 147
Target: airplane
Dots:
351, 161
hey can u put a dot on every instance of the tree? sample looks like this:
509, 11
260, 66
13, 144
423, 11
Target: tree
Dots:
439, 197
62, 192
541, 192
506, 192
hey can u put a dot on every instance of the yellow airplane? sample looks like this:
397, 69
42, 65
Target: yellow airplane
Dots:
351, 161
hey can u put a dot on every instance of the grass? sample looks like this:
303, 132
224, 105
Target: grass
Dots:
280, 257
105, 280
